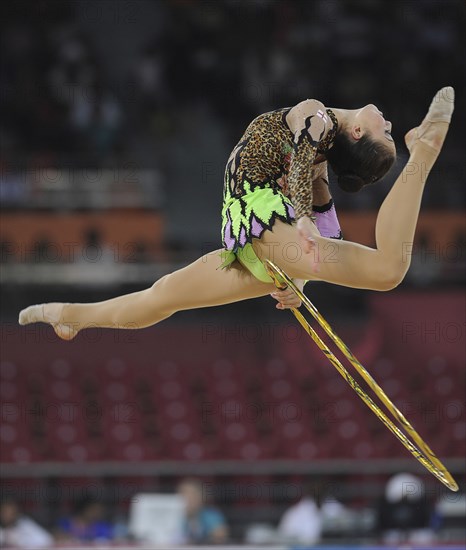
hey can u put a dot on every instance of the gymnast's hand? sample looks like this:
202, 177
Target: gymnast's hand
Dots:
307, 232
287, 298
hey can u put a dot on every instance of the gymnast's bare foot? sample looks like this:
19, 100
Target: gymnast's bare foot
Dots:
433, 129
50, 313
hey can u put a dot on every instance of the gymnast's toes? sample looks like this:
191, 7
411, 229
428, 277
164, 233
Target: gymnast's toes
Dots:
50, 313
31, 314
433, 129
442, 106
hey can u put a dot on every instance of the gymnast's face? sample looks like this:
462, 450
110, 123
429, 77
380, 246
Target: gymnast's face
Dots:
369, 119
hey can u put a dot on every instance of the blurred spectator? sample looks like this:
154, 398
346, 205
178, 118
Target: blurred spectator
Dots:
403, 514
260, 534
202, 524
450, 514
150, 81
18, 531
87, 524
95, 250
303, 522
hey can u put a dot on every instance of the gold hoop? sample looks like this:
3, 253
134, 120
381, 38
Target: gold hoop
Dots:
419, 449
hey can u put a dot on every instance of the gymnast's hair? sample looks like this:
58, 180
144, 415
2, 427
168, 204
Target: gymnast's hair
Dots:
358, 163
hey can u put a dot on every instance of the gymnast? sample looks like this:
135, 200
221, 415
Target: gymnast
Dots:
277, 205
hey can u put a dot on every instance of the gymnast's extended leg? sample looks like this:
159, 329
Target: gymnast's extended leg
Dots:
199, 284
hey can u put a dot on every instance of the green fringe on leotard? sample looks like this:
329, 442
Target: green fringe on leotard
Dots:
246, 217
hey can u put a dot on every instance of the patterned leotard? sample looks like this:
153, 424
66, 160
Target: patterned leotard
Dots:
268, 176
268, 156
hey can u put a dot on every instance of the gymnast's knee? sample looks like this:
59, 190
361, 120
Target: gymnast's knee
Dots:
159, 282
388, 275
159, 295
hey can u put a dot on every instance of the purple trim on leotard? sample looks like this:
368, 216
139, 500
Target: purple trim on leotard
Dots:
256, 227
290, 210
242, 237
227, 237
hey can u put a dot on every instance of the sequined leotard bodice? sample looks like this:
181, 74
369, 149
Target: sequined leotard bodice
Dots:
269, 154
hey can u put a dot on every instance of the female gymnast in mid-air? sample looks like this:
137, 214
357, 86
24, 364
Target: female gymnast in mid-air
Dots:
276, 205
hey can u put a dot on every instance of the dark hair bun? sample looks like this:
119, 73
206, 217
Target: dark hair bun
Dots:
351, 183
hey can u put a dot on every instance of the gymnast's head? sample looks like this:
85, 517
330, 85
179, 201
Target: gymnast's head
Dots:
363, 149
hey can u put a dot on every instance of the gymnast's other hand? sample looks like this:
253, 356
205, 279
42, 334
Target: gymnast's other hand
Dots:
307, 232
286, 298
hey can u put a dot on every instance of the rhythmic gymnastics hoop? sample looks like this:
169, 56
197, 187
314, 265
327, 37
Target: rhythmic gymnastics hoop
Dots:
416, 445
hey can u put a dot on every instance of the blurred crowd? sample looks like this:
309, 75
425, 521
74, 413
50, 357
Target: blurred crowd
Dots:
403, 515
57, 105
67, 102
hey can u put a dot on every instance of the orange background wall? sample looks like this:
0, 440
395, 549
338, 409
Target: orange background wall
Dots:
23, 229
115, 227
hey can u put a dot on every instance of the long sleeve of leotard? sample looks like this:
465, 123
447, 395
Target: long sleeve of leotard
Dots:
305, 144
300, 177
